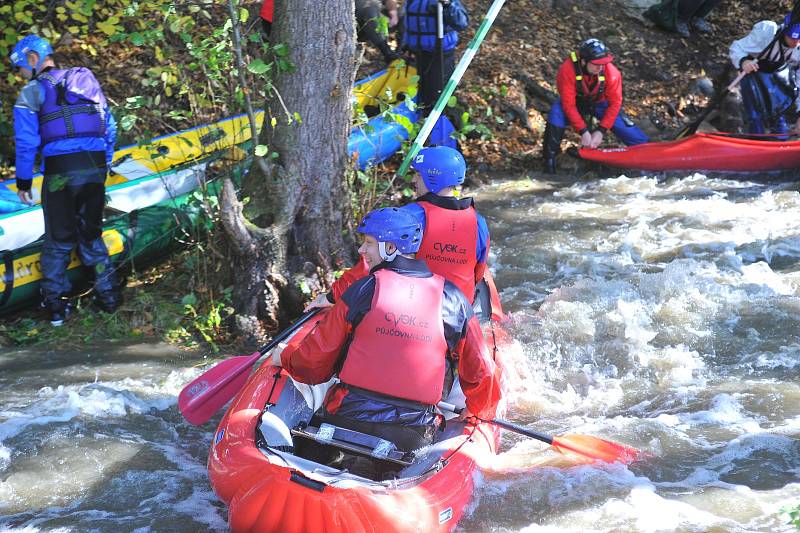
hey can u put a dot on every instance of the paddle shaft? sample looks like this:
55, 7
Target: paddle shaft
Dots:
505, 424
692, 128
272, 344
461, 67
439, 39
197, 395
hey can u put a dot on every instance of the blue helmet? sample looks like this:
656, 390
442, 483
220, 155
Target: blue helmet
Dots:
394, 225
791, 30
440, 167
30, 43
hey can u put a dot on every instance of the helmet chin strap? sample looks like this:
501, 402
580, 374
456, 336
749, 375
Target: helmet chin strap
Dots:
382, 251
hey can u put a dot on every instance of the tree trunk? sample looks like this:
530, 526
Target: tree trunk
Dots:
291, 234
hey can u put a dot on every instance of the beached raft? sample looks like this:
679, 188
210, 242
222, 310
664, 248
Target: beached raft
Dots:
702, 152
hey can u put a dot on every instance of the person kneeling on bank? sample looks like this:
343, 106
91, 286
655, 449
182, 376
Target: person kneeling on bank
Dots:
589, 85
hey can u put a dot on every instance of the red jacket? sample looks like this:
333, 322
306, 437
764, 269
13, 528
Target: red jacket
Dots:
315, 359
567, 89
267, 9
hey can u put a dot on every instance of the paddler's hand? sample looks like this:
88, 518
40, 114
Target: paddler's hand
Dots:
749, 66
586, 139
466, 415
25, 197
597, 138
320, 301
393, 18
276, 353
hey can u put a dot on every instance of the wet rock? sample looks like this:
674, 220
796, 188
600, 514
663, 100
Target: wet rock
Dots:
729, 116
662, 75
542, 98
657, 122
703, 86
671, 109
649, 128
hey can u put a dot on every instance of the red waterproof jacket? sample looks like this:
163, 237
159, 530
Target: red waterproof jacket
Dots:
267, 9
315, 359
568, 90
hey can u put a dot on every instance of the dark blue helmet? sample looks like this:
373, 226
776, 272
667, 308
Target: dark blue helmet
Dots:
595, 51
30, 43
440, 167
791, 30
394, 225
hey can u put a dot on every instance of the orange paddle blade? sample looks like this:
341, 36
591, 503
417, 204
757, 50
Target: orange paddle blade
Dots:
585, 448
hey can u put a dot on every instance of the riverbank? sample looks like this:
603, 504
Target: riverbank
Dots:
505, 96
175, 301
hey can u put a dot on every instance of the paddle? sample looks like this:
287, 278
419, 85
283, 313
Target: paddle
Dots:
439, 40
692, 128
579, 447
461, 67
205, 395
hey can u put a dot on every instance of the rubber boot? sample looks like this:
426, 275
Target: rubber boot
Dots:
389, 55
551, 146
58, 308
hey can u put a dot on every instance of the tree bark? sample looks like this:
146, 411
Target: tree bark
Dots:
291, 234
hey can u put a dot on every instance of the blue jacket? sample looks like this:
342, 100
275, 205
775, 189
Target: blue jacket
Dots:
28, 140
420, 25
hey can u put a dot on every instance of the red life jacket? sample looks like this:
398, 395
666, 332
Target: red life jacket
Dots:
449, 245
586, 93
267, 9
398, 348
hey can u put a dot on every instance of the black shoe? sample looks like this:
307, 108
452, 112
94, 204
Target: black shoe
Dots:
682, 28
392, 56
389, 55
551, 146
107, 302
59, 310
701, 25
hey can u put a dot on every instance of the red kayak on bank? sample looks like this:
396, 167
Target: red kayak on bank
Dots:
701, 152
259, 467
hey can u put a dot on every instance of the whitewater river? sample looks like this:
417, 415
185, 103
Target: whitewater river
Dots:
660, 314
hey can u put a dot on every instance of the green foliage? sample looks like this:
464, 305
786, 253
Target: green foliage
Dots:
163, 64
144, 314
382, 25
474, 129
208, 324
793, 514
24, 331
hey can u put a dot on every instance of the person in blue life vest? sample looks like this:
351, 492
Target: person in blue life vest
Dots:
589, 85
403, 321
456, 237
419, 37
63, 114
770, 55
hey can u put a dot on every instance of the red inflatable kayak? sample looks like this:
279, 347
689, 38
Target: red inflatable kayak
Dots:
702, 152
256, 464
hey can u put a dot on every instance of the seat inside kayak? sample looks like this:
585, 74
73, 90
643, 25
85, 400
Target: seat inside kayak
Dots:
286, 434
